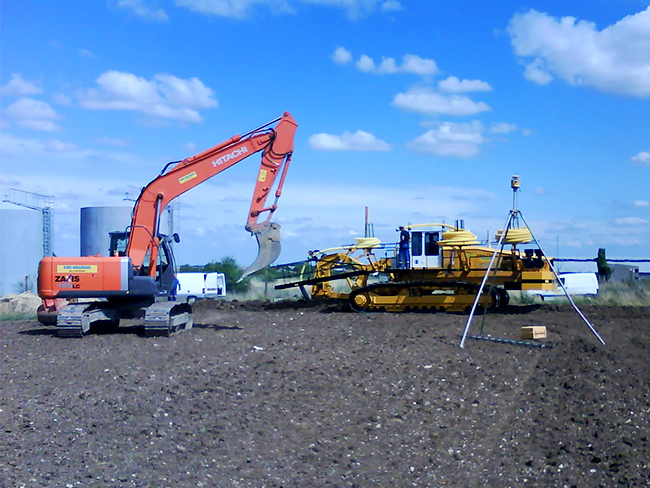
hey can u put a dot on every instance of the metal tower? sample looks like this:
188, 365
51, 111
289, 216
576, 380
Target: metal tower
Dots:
36, 201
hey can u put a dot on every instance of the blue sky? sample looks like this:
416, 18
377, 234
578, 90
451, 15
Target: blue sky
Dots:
419, 110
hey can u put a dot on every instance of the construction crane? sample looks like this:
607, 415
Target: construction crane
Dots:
36, 201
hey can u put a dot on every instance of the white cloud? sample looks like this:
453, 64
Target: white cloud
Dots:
536, 72
58, 146
61, 98
237, 9
630, 221
366, 64
341, 56
428, 102
355, 9
46, 157
642, 159
242, 9
112, 141
359, 141
615, 59
454, 85
641, 203
502, 128
86, 53
20, 147
18, 87
387, 66
391, 6
164, 96
540, 191
591, 235
145, 9
411, 63
33, 114
459, 140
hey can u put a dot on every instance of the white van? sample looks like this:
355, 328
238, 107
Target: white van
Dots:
201, 285
576, 284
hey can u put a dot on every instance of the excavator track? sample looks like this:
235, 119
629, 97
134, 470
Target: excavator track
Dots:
74, 320
452, 296
160, 319
165, 318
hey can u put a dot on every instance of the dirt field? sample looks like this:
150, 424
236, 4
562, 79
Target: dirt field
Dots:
292, 396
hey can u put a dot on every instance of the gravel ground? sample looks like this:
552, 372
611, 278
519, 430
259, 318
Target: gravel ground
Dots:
287, 395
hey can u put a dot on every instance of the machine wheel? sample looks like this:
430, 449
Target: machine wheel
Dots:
360, 302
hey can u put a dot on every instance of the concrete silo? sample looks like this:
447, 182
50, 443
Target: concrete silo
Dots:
96, 223
21, 249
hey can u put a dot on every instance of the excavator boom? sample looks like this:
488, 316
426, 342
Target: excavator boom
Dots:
276, 145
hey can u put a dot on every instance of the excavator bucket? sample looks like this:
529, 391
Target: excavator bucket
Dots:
268, 239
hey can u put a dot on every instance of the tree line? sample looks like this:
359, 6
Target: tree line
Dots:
227, 265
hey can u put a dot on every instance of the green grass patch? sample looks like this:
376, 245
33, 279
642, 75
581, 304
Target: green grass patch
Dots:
628, 293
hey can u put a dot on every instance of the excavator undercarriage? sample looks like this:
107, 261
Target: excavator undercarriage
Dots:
158, 319
75, 319
445, 296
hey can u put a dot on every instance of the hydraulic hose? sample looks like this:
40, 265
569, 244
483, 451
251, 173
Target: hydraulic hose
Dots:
515, 236
361, 243
458, 238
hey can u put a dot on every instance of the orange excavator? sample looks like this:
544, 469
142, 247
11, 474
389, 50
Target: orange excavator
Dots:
137, 280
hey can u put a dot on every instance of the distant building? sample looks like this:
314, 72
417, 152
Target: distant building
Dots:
623, 272
21, 249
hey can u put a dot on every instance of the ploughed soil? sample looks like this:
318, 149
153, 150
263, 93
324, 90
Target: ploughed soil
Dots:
291, 395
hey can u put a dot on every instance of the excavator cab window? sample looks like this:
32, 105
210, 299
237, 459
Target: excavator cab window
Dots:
165, 270
163, 262
425, 250
416, 243
425, 243
431, 247
118, 243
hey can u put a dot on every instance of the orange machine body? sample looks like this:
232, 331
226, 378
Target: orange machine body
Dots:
87, 276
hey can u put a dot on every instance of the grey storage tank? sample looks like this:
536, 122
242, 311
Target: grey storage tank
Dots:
96, 223
21, 249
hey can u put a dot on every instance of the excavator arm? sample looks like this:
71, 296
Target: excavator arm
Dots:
276, 145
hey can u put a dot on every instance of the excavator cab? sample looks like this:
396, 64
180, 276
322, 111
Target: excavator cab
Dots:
118, 243
165, 278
